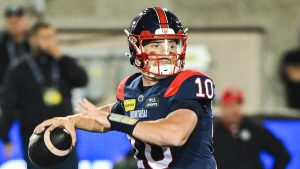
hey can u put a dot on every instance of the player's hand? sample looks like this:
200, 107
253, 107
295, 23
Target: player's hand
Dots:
92, 112
8, 150
64, 122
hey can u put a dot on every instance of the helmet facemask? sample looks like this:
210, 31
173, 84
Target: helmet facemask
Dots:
158, 55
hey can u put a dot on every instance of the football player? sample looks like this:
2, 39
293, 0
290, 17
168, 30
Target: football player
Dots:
165, 110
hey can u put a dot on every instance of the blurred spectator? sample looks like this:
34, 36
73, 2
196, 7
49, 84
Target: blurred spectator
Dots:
290, 74
238, 141
13, 40
39, 88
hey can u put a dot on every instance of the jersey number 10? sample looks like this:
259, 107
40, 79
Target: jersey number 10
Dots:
205, 88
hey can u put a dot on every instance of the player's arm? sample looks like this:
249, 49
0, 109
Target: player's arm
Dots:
80, 121
174, 130
84, 122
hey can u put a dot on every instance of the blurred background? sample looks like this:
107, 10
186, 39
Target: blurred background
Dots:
237, 42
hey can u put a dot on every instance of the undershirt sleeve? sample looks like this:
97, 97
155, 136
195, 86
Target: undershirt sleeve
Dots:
118, 108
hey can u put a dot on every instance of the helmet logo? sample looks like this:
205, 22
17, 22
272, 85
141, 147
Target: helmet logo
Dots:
164, 31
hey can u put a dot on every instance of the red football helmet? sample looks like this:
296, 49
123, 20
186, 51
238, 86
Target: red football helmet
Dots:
157, 43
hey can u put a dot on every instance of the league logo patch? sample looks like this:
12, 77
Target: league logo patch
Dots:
129, 104
152, 102
140, 98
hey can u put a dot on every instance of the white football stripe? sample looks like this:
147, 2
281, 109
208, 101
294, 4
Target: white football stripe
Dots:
51, 147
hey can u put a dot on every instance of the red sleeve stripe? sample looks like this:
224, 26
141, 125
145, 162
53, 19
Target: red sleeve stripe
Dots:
179, 79
162, 17
121, 89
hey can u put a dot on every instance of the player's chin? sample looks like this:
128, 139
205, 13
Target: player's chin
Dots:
164, 62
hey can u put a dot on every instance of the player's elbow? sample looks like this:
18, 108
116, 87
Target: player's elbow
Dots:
174, 136
169, 138
170, 142
178, 141
175, 139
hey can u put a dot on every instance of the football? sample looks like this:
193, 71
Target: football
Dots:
48, 149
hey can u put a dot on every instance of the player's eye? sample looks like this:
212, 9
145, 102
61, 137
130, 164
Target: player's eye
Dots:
155, 45
172, 46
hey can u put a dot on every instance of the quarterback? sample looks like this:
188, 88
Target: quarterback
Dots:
164, 109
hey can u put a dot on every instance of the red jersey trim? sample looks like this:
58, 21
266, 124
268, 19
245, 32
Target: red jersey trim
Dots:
121, 89
179, 79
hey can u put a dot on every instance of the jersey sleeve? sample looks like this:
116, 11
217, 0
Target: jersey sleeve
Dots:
121, 89
118, 108
198, 87
190, 104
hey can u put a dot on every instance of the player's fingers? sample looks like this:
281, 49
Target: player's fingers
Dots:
89, 104
72, 132
84, 103
54, 126
38, 129
81, 110
86, 111
41, 127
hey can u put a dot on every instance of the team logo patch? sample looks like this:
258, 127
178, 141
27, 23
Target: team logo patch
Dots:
129, 104
140, 98
163, 31
152, 102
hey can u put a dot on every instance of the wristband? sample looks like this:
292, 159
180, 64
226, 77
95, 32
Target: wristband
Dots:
122, 123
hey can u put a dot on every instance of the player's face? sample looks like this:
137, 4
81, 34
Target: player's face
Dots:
161, 52
232, 112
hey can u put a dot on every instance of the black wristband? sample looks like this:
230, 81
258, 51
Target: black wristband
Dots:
122, 123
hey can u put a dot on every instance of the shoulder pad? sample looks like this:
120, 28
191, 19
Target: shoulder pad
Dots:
191, 84
121, 88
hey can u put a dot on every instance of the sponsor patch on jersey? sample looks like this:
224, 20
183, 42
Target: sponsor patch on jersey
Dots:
129, 104
152, 102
